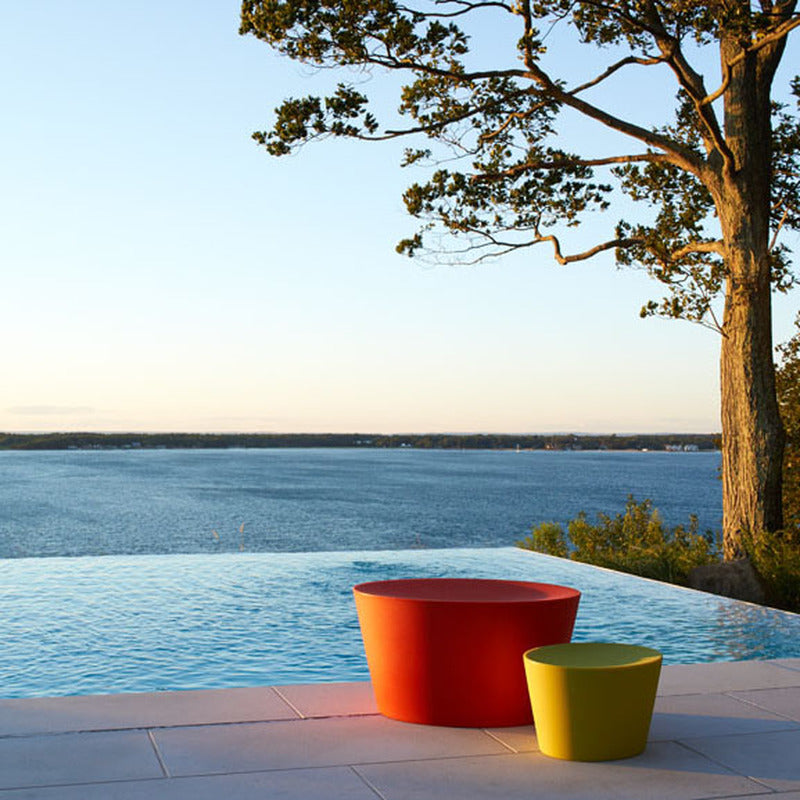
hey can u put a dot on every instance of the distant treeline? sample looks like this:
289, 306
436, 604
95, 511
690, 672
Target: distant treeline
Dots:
489, 441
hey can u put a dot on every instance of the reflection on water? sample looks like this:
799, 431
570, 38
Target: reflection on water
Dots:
734, 624
143, 623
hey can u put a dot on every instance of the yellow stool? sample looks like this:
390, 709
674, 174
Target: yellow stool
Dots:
592, 701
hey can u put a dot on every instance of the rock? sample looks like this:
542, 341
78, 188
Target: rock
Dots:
737, 579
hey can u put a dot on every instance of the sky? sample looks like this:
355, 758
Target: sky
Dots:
163, 273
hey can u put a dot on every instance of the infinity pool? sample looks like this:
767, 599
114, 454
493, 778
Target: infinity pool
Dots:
145, 623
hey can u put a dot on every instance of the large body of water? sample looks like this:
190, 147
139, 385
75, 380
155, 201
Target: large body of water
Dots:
148, 570
79, 503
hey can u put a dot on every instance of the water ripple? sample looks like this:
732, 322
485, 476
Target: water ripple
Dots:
144, 623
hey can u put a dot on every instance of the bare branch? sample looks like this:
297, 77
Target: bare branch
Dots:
716, 326
502, 248
390, 62
722, 89
774, 239
614, 67
467, 8
613, 244
698, 247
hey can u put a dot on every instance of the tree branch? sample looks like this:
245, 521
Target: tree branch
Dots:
613, 244
527, 17
518, 169
698, 247
783, 218
502, 247
679, 155
692, 83
467, 8
708, 99
780, 32
434, 126
599, 79
614, 67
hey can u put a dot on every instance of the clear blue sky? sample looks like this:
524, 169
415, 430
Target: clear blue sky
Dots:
163, 273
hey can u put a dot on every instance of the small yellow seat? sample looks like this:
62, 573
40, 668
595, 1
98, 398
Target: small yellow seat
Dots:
592, 701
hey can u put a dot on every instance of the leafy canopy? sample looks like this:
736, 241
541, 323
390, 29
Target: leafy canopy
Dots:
499, 179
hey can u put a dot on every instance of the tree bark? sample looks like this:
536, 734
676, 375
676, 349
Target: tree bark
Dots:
752, 432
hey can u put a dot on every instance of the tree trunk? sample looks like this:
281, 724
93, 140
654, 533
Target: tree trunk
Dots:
752, 434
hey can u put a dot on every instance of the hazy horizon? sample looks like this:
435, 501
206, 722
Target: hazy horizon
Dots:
360, 432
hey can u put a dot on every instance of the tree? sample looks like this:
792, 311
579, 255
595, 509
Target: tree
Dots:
716, 184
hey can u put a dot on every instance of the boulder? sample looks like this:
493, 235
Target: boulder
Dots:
737, 579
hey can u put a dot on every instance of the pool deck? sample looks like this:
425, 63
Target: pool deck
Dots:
719, 730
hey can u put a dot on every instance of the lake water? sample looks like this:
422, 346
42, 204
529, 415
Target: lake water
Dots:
159, 569
81, 503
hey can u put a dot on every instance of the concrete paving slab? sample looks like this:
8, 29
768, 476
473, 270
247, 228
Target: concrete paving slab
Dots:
330, 699
665, 771
724, 676
326, 741
769, 795
77, 758
683, 716
518, 740
152, 709
784, 702
312, 743
788, 663
336, 783
772, 759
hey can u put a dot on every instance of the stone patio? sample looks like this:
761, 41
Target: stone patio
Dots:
720, 730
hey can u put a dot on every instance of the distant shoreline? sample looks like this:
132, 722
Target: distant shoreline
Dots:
685, 442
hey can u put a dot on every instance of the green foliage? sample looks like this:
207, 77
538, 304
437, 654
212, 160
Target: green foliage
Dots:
549, 537
635, 541
776, 559
787, 379
509, 183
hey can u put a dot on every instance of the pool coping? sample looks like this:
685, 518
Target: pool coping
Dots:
725, 729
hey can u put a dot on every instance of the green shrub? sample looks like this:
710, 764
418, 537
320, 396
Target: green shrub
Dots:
635, 541
548, 538
776, 559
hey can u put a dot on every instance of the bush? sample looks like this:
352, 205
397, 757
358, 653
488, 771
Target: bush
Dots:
776, 559
548, 538
635, 541
787, 387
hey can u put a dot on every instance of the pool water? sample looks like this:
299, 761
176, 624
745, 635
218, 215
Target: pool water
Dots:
144, 623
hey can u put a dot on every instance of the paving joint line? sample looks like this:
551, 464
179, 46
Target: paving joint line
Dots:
288, 702
159, 756
753, 704
683, 743
367, 782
